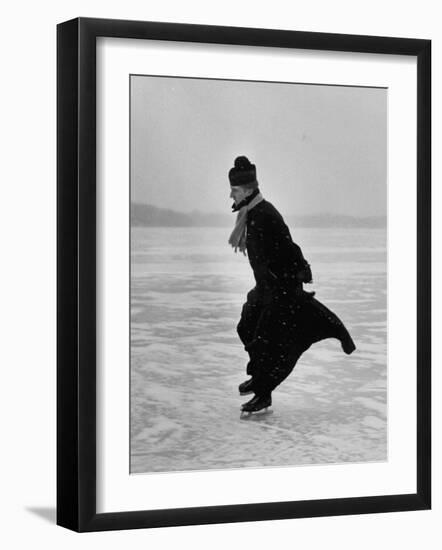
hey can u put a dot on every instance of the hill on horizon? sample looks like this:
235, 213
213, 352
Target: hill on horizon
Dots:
147, 215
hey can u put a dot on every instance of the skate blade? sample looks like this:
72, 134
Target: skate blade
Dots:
250, 414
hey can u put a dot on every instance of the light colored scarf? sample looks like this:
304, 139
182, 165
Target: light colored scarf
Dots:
238, 236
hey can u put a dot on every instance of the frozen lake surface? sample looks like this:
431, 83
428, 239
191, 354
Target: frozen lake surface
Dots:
187, 290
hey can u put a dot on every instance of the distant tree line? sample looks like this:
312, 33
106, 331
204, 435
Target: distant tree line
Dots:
146, 215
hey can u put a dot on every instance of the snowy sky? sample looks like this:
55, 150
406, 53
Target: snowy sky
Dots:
316, 148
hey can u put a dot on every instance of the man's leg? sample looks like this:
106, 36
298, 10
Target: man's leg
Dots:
266, 379
278, 342
250, 319
277, 369
250, 314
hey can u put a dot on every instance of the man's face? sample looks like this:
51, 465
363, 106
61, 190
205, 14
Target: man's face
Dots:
237, 193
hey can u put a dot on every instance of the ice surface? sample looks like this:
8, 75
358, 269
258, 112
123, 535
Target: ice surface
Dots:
187, 290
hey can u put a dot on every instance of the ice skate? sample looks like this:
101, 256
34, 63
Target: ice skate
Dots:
246, 387
257, 404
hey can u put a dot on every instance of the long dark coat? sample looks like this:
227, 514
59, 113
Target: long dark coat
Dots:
280, 320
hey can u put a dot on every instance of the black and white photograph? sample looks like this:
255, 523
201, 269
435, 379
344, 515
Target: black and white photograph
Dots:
258, 274
220, 240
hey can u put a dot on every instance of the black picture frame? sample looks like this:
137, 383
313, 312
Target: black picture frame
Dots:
77, 287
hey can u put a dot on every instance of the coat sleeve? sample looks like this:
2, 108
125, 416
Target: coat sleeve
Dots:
279, 257
260, 249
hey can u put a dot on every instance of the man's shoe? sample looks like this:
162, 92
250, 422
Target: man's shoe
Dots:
246, 387
258, 403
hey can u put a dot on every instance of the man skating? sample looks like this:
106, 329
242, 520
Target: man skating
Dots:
279, 320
